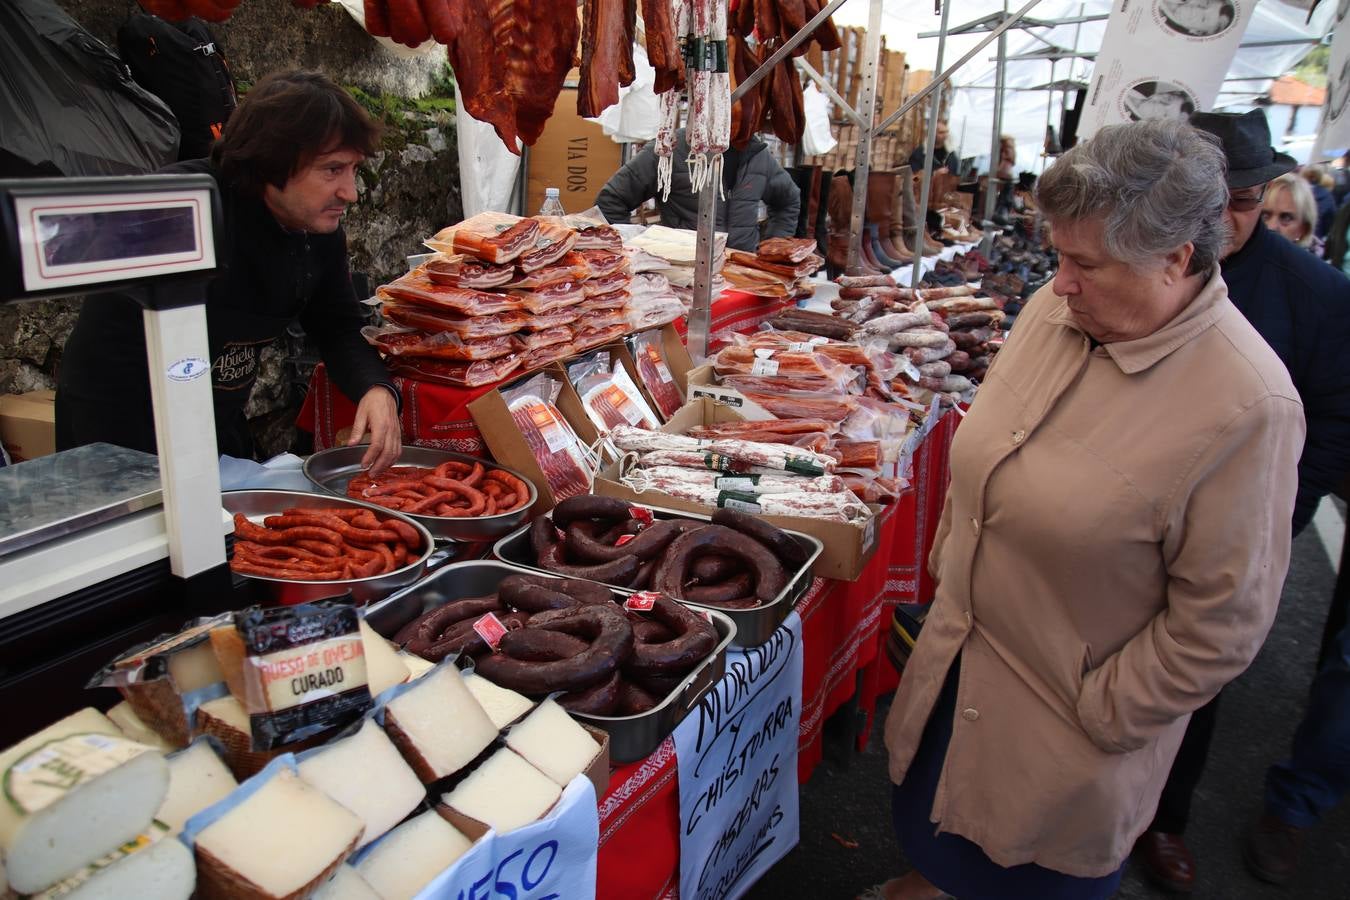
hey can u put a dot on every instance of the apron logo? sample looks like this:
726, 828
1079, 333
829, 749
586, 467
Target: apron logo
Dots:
188, 369
236, 366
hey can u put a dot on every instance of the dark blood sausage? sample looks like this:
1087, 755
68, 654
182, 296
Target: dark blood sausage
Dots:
534, 598
649, 631
736, 603
539, 645
462, 638
582, 591
580, 545
767, 570
694, 639
633, 699
627, 526
711, 594
620, 571
590, 506
713, 568
643, 579
431, 624
658, 686
600, 700
611, 643
780, 542
543, 539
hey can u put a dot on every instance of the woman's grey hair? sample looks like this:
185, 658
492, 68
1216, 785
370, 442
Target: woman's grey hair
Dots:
1154, 184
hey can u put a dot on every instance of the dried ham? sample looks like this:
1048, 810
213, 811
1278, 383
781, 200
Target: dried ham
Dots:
397, 341
564, 316
552, 244
464, 375
551, 297
490, 236
608, 29
466, 272
467, 327
663, 45
790, 251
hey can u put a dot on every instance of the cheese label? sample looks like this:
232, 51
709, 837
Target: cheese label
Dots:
642, 601
298, 675
490, 629
41, 777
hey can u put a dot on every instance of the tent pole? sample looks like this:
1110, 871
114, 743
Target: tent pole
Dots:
862, 159
991, 185
930, 140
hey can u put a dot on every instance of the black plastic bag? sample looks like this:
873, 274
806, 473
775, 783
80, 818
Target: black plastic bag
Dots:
67, 104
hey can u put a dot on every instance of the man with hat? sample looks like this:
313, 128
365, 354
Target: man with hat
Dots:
1298, 304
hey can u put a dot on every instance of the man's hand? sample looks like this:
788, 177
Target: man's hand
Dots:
378, 413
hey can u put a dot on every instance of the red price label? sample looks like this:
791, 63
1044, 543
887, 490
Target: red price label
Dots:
642, 601
642, 514
624, 539
490, 629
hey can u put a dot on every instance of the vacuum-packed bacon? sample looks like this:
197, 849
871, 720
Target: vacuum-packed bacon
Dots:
463, 271
790, 251
474, 374
605, 262
549, 297
607, 284
543, 356
618, 300
490, 236
547, 338
567, 315
394, 340
571, 267
783, 270
602, 237
588, 337
467, 327
601, 319
552, 243
416, 287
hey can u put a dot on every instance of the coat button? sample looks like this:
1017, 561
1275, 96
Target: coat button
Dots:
970, 714
1018, 435
975, 526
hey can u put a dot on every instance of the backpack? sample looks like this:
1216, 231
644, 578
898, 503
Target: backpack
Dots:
182, 64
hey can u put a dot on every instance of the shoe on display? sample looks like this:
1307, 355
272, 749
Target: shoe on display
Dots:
1272, 849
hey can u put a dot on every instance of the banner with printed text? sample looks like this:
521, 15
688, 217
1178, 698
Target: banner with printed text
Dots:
1333, 135
737, 758
1162, 59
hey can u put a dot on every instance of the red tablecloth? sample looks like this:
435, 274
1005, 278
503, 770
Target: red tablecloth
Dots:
736, 312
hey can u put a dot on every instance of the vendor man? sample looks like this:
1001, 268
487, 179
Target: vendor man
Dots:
286, 167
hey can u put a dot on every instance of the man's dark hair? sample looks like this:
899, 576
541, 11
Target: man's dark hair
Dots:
284, 122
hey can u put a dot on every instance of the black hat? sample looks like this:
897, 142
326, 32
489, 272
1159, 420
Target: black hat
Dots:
1246, 143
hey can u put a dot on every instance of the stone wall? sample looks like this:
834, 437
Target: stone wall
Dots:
407, 191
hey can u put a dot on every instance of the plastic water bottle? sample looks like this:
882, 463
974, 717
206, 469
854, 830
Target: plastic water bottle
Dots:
552, 204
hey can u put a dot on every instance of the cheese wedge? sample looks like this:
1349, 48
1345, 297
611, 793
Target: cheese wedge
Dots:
417, 666
280, 843
437, 725
197, 779
412, 855
74, 792
502, 705
346, 884
366, 774
125, 718
147, 869
224, 719
384, 667
553, 743
190, 666
505, 792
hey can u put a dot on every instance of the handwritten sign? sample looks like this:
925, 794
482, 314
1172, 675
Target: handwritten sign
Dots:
737, 756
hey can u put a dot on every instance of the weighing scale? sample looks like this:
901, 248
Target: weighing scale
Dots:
101, 547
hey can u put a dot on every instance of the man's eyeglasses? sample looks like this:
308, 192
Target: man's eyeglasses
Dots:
1286, 218
1246, 202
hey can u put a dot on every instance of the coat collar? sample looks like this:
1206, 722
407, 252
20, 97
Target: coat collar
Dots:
1145, 352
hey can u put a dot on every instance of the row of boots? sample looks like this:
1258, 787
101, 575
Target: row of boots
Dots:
889, 220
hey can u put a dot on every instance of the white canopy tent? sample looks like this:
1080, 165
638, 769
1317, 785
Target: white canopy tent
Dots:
1024, 108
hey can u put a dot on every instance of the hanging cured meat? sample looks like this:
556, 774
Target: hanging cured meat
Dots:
663, 45
606, 54
510, 59
747, 111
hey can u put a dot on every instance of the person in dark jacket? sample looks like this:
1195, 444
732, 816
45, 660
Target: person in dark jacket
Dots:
1317, 179
1297, 303
286, 168
749, 177
945, 162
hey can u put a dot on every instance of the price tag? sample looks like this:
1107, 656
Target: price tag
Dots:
764, 353
642, 601
642, 514
768, 367
624, 539
746, 503
801, 346
490, 629
736, 482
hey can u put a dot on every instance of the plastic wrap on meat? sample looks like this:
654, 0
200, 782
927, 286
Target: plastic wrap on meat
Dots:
783, 363
571, 267
793, 271
552, 244
467, 375
550, 297
490, 236
789, 251
586, 338
543, 356
789, 404
608, 284
395, 340
650, 357
567, 315
548, 337
463, 271
600, 319
748, 430
605, 262
653, 311
552, 441
466, 327
601, 237
416, 287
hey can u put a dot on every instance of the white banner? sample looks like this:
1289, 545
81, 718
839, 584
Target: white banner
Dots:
552, 859
1333, 135
737, 756
1162, 59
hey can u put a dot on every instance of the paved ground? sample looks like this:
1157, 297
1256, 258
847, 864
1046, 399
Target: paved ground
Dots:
849, 794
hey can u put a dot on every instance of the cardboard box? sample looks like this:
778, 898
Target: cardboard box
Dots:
848, 547
573, 155
703, 384
28, 424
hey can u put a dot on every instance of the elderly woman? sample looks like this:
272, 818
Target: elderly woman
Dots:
1113, 542
1290, 209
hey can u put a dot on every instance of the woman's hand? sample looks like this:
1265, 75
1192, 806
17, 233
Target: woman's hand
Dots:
378, 413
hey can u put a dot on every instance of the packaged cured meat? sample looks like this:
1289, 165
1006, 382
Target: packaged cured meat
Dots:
543, 356
618, 300
588, 337
548, 337
466, 327
593, 319
546, 298
552, 243
608, 394
554, 319
605, 284
648, 351
598, 237
493, 237
653, 311
764, 383
570, 268
468, 375
784, 364
770, 456
786, 250
463, 271
657, 477
833, 407
416, 287
755, 281
553, 443
790, 271
395, 340
604, 263
840, 506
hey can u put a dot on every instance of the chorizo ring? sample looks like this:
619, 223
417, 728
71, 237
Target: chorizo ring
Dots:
590, 506
736, 586
576, 588
611, 644
600, 700
694, 639
776, 539
767, 570
649, 543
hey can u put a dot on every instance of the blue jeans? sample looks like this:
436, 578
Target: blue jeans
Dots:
1302, 788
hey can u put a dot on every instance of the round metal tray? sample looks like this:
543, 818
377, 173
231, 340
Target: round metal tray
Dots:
257, 505
333, 468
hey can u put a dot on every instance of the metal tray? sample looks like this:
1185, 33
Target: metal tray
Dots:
753, 626
259, 504
333, 468
630, 737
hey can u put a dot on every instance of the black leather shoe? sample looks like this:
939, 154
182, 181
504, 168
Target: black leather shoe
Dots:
1272, 849
1166, 861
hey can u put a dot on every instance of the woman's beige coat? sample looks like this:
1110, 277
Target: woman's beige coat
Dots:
1111, 554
